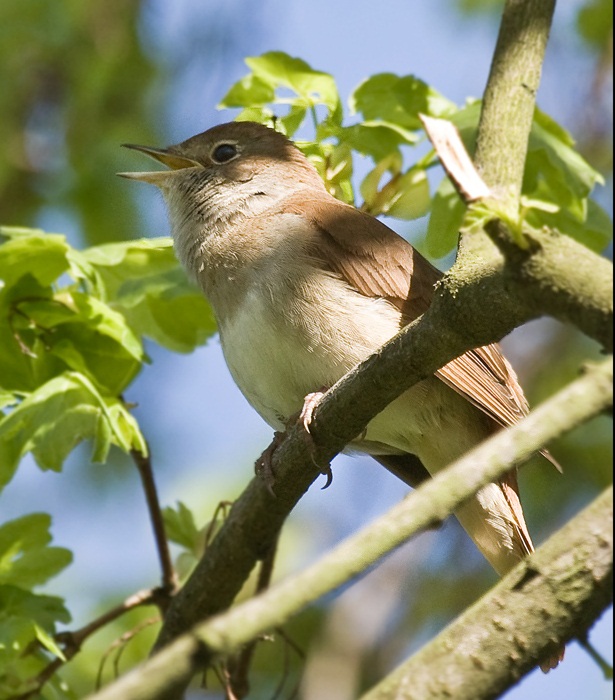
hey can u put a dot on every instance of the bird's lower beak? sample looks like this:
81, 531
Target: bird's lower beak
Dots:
163, 155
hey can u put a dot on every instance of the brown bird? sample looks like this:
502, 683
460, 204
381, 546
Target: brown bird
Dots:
304, 287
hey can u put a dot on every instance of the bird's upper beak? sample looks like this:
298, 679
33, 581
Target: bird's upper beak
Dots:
163, 155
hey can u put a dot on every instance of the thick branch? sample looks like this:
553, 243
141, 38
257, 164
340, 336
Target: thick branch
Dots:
479, 303
170, 670
556, 595
561, 278
508, 108
510, 95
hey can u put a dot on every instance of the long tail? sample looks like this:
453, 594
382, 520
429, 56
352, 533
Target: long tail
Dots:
493, 519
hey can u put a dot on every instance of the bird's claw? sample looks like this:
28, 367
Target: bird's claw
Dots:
310, 403
264, 464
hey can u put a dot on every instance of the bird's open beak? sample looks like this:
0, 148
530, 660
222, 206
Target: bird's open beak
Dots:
163, 155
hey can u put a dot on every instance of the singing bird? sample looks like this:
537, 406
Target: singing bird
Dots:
304, 287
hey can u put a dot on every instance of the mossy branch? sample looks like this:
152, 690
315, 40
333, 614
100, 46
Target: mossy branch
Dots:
552, 597
481, 300
167, 673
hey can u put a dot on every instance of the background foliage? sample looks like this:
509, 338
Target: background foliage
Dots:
80, 317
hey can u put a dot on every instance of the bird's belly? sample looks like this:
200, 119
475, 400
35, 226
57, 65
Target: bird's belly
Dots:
277, 359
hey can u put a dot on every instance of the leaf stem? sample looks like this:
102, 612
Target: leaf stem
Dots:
143, 463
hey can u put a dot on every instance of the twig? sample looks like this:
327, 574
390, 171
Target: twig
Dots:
121, 643
600, 661
240, 668
289, 645
72, 642
169, 576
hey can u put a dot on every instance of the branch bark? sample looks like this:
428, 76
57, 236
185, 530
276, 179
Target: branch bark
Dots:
555, 595
510, 96
481, 300
165, 676
468, 313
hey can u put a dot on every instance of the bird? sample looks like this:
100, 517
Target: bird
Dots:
304, 287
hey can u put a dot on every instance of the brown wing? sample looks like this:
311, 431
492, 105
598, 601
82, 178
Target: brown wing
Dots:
487, 380
377, 262
369, 255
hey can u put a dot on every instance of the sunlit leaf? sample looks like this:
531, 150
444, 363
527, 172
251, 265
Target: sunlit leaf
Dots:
398, 100
144, 281
180, 526
279, 69
52, 420
447, 212
26, 559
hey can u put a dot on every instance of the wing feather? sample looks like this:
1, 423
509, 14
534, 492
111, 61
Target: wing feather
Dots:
379, 263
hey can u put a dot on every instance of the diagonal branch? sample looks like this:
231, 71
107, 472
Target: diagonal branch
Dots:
480, 302
556, 595
165, 675
510, 95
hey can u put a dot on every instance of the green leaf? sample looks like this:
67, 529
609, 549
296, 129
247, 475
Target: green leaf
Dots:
90, 337
26, 618
417, 97
556, 174
7, 398
594, 230
290, 122
23, 367
145, 283
57, 416
375, 139
48, 642
44, 610
248, 92
371, 182
181, 528
26, 560
447, 213
595, 23
278, 69
262, 115
550, 153
41, 255
398, 100
544, 121
408, 196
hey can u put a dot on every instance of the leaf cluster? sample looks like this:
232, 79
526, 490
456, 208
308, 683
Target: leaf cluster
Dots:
71, 330
27, 619
286, 92
72, 327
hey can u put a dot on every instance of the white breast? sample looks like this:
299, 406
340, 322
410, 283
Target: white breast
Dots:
284, 342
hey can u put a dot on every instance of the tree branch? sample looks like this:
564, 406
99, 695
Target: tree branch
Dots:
510, 96
550, 271
167, 673
466, 313
508, 109
479, 302
555, 595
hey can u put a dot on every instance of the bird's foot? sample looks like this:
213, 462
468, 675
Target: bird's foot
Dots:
264, 464
310, 403
551, 661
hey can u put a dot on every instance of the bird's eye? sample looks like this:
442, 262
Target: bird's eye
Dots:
224, 152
